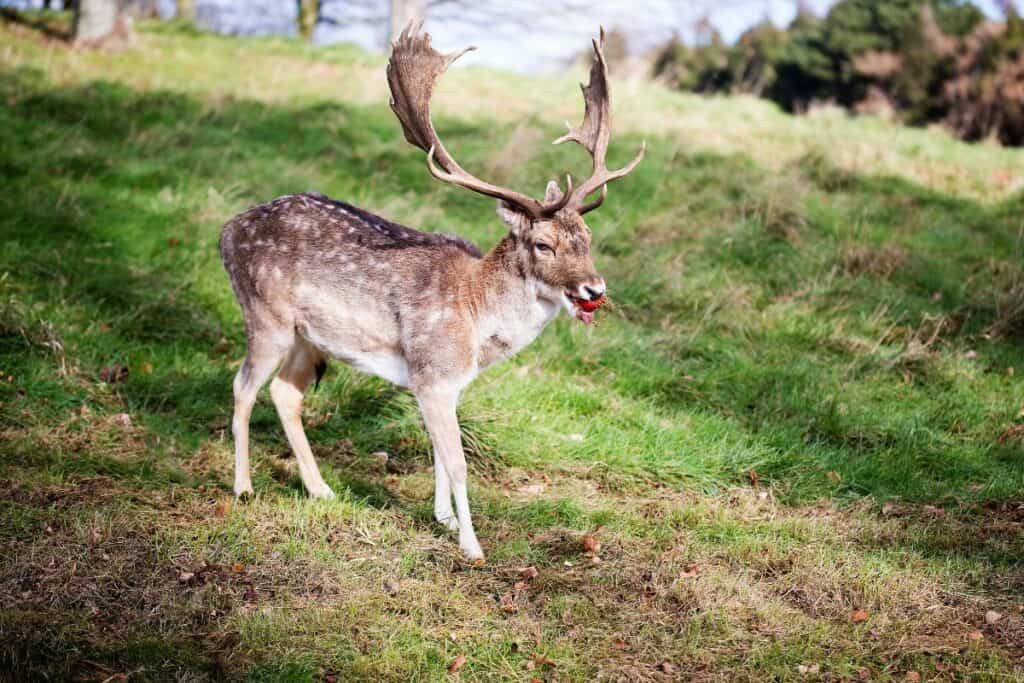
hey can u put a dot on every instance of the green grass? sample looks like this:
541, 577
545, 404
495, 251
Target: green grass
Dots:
804, 403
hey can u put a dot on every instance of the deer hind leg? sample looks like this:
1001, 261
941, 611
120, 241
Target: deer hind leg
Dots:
264, 354
443, 511
438, 409
297, 372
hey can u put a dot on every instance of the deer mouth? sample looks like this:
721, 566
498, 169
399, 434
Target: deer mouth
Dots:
583, 309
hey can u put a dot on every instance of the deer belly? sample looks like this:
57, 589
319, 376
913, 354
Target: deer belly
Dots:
391, 367
351, 347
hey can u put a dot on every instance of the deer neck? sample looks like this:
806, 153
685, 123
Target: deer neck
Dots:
510, 308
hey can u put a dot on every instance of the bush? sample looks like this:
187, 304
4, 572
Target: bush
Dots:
921, 61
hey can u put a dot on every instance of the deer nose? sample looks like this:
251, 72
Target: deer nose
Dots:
592, 291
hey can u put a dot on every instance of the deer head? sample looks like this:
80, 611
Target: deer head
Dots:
550, 238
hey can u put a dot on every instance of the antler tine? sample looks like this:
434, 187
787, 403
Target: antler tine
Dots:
412, 73
586, 208
595, 132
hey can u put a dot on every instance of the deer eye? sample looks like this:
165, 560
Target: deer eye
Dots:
543, 248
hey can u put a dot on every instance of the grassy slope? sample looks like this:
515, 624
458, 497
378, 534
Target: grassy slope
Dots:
833, 305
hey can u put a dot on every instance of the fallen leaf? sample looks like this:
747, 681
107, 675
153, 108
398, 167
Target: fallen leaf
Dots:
975, 636
185, 577
457, 664
123, 419
890, 508
912, 676
667, 667
834, 476
992, 617
858, 616
531, 489
94, 536
754, 479
543, 660
329, 677
576, 437
238, 568
391, 587
1014, 433
806, 669
250, 594
380, 457
146, 368
619, 644
691, 571
937, 511
591, 544
113, 374
528, 573
508, 603
971, 355
863, 673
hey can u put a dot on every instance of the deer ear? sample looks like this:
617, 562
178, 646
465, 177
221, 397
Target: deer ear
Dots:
553, 193
512, 216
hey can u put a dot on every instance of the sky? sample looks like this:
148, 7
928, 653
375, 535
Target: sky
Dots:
546, 40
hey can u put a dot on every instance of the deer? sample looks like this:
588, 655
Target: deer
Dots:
318, 279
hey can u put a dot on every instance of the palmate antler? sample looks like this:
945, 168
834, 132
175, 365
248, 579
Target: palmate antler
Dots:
595, 132
413, 71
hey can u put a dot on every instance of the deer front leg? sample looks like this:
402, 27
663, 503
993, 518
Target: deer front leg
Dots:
438, 409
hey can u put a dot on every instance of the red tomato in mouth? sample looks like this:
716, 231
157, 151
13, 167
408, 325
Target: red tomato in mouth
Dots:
591, 306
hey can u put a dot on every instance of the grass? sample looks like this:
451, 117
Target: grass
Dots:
804, 405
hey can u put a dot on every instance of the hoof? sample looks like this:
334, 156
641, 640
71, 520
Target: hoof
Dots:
448, 521
322, 493
244, 492
474, 553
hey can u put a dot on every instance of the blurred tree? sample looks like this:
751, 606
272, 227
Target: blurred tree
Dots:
703, 69
186, 9
752, 62
309, 12
94, 21
985, 97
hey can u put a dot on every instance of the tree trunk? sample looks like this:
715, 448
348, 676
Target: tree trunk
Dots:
402, 12
309, 11
186, 9
94, 20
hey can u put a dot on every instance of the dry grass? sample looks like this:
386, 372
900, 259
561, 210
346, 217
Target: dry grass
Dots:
879, 262
678, 582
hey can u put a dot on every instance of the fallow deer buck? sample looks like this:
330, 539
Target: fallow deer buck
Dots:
319, 279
